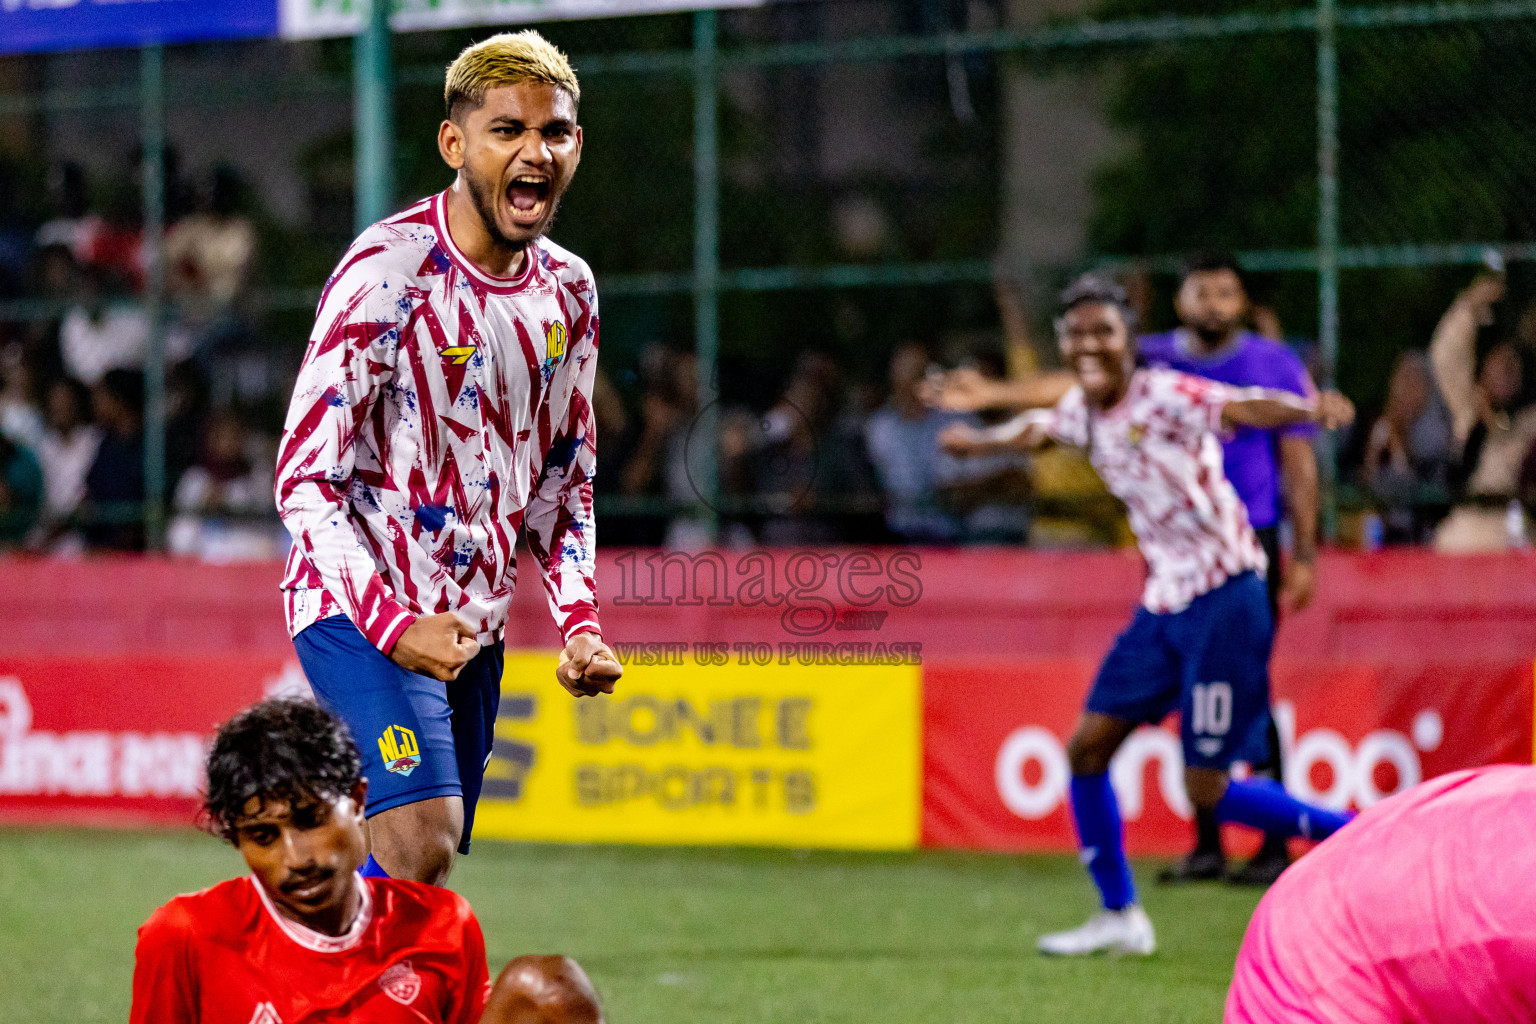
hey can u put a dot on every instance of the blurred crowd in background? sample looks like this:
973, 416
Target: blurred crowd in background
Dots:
72, 386
831, 457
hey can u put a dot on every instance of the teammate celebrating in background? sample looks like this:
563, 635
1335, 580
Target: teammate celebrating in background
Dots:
305, 938
1261, 464
1201, 640
444, 405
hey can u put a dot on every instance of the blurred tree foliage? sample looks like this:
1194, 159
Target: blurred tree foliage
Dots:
1437, 145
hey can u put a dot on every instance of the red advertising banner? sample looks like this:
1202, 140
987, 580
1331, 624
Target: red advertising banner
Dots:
119, 740
995, 772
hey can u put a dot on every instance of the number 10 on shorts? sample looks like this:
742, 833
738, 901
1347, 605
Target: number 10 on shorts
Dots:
1211, 711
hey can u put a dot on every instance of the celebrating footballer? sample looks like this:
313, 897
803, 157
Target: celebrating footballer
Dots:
1201, 640
442, 409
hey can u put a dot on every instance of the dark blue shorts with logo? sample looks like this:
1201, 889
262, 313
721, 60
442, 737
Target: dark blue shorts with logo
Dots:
420, 738
1210, 662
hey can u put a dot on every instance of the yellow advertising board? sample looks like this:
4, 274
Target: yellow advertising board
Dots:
696, 753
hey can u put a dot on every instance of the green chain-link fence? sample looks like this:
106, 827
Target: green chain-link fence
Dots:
735, 205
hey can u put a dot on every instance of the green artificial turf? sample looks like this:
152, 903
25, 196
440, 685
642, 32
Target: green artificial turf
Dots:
673, 936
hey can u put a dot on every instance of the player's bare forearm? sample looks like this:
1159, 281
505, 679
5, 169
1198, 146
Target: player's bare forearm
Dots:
1037, 391
1298, 472
968, 391
588, 666
1271, 409
1024, 433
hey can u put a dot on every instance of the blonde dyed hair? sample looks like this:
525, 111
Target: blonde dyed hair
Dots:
507, 59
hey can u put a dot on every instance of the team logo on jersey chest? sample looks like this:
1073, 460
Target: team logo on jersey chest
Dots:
265, 1013
555, 337
401, 983
398, 748
458, 355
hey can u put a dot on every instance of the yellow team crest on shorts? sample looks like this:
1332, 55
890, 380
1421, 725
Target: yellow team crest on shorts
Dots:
398, 748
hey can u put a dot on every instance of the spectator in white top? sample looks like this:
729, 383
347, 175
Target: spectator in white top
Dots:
1491, 427
104, 331
73, 224
209, 255
66, 449
99, 334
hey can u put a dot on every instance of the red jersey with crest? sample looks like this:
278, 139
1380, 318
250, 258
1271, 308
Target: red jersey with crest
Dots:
439, 411
226, 956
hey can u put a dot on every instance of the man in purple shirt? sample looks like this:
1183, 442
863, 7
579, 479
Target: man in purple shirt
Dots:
1263, 465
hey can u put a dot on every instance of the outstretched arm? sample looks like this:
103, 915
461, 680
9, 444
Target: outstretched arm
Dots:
966, 390
1024, 433
1268, 409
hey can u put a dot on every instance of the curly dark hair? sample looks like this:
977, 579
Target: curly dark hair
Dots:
282, 749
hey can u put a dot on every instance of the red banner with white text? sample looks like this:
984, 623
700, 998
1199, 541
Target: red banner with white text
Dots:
119, 740
995, 772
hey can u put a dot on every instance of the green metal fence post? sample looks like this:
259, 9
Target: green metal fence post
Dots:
373, 122
706, 250
1328, 237
152, 171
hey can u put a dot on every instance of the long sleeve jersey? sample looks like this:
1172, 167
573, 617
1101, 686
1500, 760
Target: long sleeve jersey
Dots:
440, 410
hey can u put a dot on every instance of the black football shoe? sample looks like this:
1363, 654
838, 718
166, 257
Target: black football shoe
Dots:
1200, 866
1266, 866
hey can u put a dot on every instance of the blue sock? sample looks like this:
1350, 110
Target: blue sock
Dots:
1096, 814
371, 869
1264, 804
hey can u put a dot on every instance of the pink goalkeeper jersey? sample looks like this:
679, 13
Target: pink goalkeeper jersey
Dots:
439, 411
1159, 451
1422, 909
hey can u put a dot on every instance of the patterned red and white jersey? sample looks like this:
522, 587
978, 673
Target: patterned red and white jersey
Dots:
1159, 451
438, 411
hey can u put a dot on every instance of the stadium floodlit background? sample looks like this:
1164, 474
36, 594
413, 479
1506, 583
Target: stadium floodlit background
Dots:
778, 200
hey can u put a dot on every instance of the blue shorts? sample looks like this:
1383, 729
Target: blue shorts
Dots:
420, 738
1211, 661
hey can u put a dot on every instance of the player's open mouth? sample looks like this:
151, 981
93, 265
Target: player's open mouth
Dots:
1089, 368
528, 194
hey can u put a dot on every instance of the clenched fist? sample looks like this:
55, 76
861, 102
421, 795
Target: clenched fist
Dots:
436, 645
588, 666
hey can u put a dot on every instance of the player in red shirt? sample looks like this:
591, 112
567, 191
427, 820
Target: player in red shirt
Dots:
306, 939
